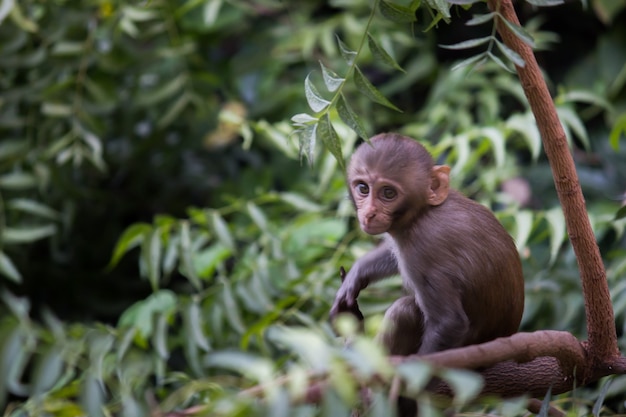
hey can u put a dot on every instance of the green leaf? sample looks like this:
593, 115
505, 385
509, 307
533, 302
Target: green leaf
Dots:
67, 48
124, 343
520, 32
335, 401
257, 216
17, 16
221, 230
526, 126
194, 322
523, 228
174, 111
307, 137
619, 130
129, 405
206, 261
308, 345
17, 181
497, 140
152, 254
159, 336
621, 213
585, 96
556, 223
300, 202
396, 12
130, 239
192, 355
545, 404
186, 255
442, 7
255, 368
438, 17
368, 89
19, 306
498, 61
233, 314
465, 384
91, 395
139, 14
416, 375
170, 258
56, 109
100, 347
13, 148
481, 58
471, 43
597, 406
326, 133
162, 92
5, 8
316, 102
22, 235
140, 315
511, 54
60, 144
381, 55
210, 11
8, 269
48, 370
348, 54
570, 119
302, 119
18, 362
350, 118
331, 80
462, 149
545, 3
480, 19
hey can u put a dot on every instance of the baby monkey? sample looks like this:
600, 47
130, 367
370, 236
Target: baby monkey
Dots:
459, 266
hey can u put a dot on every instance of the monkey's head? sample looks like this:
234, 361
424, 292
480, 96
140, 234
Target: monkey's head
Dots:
392, 180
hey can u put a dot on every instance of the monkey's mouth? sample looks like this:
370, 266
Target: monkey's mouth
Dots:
373, 229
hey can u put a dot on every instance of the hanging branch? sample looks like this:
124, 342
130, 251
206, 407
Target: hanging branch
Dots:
599, 311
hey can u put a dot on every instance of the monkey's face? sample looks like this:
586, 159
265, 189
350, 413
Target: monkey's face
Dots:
377, 201
389, 181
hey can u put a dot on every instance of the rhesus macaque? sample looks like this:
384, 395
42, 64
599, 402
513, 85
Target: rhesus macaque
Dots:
460, 267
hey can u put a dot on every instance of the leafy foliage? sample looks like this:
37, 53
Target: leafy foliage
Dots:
155, 138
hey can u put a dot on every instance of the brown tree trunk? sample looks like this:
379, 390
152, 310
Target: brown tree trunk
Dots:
598, 308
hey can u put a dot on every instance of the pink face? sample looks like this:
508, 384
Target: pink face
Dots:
376, 200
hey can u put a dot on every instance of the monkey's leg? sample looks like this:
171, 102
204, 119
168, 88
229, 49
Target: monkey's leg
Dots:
404, 327
403, 336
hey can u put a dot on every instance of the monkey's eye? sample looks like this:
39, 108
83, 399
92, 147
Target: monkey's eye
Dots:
389, 193
362, 188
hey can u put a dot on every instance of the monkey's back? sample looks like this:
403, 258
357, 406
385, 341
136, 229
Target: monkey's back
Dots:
480, 258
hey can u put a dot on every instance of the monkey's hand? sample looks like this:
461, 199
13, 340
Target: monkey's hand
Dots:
345, 300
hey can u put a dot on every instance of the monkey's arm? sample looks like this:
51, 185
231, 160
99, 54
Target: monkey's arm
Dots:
374, 266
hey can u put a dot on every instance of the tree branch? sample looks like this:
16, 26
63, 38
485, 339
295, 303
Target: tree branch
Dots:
598, 307
520, 347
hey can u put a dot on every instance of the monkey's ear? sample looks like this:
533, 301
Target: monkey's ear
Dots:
439, 185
